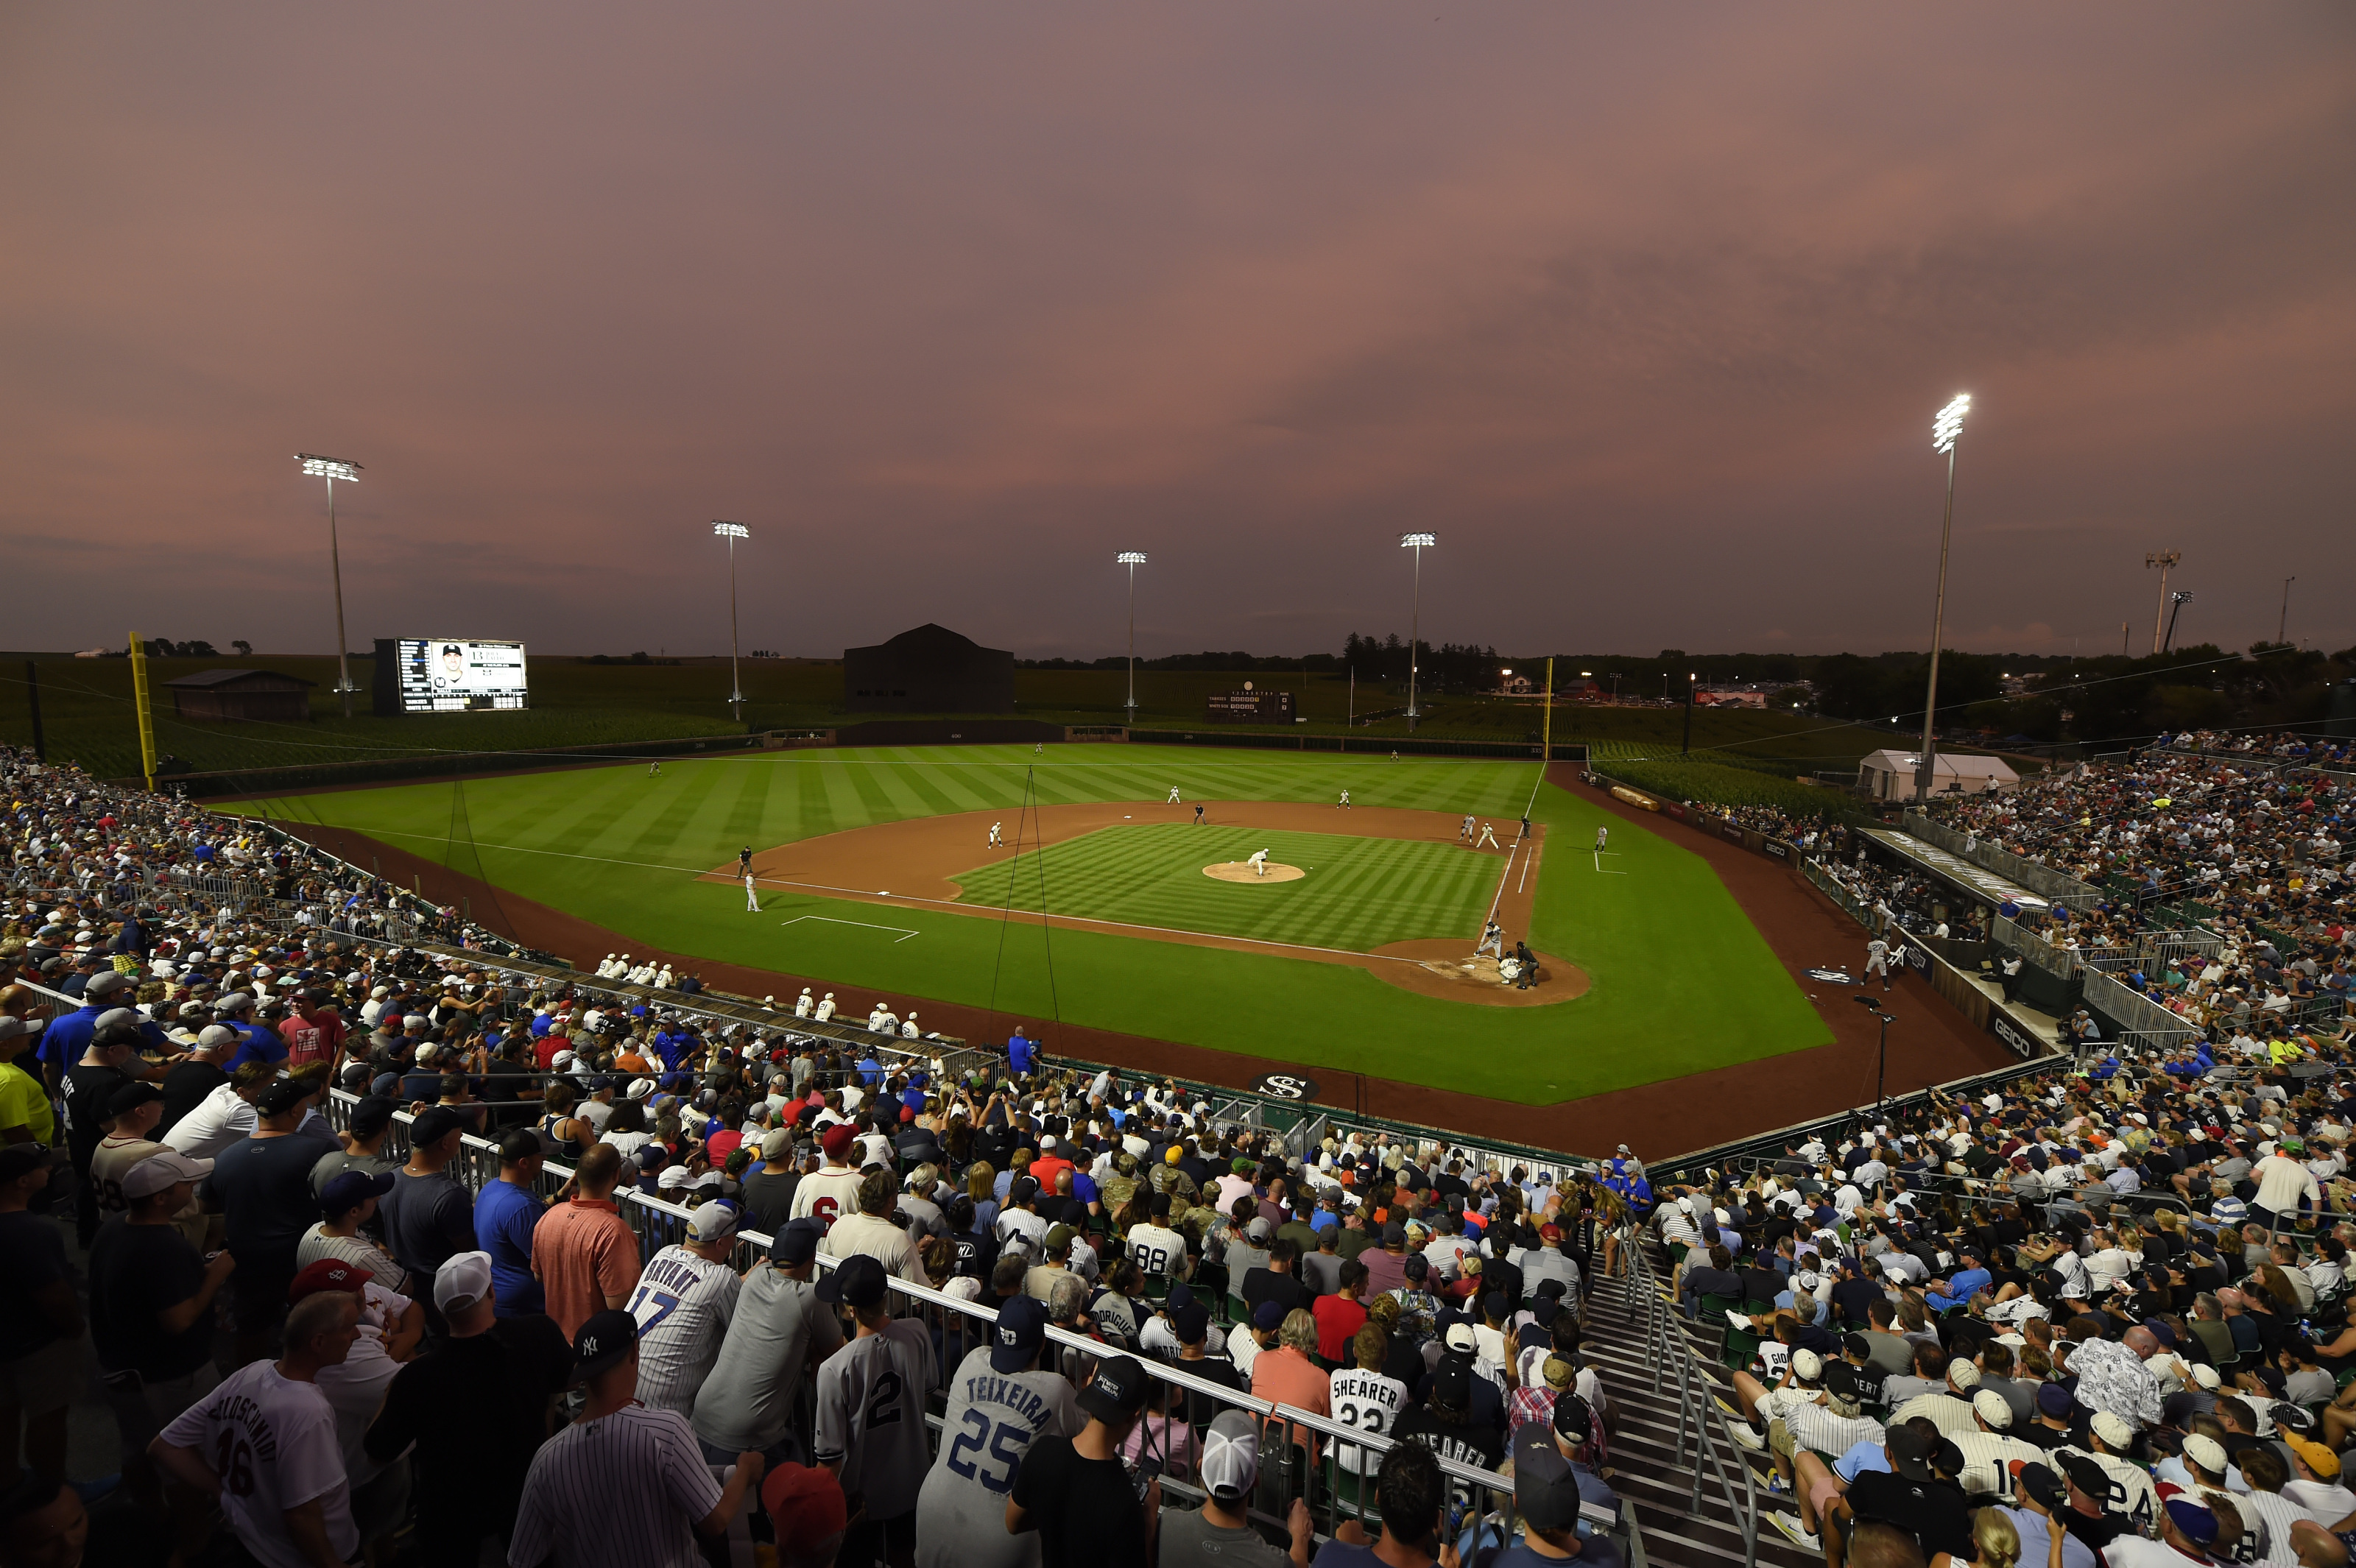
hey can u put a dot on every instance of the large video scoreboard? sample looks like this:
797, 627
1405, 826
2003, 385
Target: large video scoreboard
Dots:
454, 675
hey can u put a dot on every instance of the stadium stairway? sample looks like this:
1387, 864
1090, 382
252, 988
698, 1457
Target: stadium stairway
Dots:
1646, 1470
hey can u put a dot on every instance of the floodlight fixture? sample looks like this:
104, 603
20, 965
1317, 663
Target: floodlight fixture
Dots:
1418, 542
731, 532
1131, 559
1946, 429
332, 469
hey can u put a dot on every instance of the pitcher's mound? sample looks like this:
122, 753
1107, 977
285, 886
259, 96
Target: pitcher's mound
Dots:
1241, 871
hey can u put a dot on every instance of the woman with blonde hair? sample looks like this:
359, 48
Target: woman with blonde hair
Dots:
1998, 1541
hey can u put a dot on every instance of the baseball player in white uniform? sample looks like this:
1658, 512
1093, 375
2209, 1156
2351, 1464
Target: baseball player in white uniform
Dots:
1877, 961
1258, 862
1492, 940
685, 1298
1465, 832
1603, 836
1488, 838
804, 1004
998, 1402
870, 1414
993, 835
751, 896
1344, 802
1174, 795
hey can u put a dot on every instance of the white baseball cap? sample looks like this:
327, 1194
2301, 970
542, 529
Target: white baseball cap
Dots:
159, 1171
1990, 1406
462, 1281
711, 1221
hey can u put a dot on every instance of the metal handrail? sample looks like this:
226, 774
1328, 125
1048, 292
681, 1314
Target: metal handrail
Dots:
1701, 1414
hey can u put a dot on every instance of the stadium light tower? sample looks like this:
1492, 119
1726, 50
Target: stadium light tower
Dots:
1945, 430
1131, 559
2165, 561
332, 469
731, 532
1417, 543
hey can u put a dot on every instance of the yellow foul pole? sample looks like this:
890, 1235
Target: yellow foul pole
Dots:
139, 696
1546, 729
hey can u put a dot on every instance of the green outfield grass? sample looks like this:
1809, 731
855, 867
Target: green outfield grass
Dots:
1681, 980
1359, 893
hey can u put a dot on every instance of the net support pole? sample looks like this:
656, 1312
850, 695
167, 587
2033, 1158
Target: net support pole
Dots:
1545, 728
139, 699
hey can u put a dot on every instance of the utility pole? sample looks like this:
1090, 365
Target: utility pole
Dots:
1545, 729
2165, 561
2283, 625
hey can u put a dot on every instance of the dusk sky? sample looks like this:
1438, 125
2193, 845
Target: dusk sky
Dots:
1643, 310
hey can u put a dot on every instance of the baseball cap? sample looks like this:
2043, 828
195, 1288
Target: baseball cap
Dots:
857, 1281
2207, 1452
1910, 1453
776, 1144
2115, 1434
1268, 1316
2054, 1400
603, 1342
1990, 1407
2196, 1524
1840, 1379
1021, 1329
805, 1504
2085, 1473
1546, 1493
130, 1097
1451, 1385
2044, 1487
796, 1242
1962, 1375
156, 1172
1231, 1455
2313, 1454
10, 1028
1191, 1322
1059, 1237
282, 1095
1118, 1390
348, 1190
106, 984
369, 1118
1807, 1366
837, 1140
433, 1124
711, 1221
1461, 1336
462, 1282
2207, 1376
328, 1273
1574, 1422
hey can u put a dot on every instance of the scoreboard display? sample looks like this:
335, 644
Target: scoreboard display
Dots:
455, 675
1250, 707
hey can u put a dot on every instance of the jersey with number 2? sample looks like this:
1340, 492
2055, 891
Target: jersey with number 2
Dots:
871, 1416
988, 1427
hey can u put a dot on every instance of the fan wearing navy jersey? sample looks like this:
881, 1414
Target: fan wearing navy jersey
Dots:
998, 1402
870, 1414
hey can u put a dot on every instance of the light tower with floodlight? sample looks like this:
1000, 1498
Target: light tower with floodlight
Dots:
1131, 559
1417, 543
1945, 431
332, 469
731, 532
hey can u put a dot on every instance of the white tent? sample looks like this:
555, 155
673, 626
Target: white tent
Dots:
1889, 775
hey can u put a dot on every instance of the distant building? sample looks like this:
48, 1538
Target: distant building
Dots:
930, 669
1730, 697
235, 696
1889, 775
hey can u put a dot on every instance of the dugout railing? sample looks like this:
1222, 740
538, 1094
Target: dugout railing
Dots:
1316, 1471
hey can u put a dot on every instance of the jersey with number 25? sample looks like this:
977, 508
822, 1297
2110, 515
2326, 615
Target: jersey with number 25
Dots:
988, 1427
871, 1416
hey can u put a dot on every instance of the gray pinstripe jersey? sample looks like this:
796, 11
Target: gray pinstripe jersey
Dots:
624, 1491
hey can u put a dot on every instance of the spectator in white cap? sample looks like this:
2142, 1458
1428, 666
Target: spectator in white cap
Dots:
1949, 1409
684, 1303
1221, 1531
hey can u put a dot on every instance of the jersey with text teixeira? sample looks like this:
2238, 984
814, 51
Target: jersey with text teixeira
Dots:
985, 1431
871, 1416
1369, 1403
1157, 1250
272, 1441
826, 1195
682, 1303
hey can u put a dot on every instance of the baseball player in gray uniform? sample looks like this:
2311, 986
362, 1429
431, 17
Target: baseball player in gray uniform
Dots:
870, 1414
998, 1400
685, 1298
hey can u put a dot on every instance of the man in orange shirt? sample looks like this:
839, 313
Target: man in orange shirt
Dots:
585, 1258
1287, 1374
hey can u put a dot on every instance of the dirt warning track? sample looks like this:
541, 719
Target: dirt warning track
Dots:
913, 864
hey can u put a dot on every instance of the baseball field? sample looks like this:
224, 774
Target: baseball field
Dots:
1106, 905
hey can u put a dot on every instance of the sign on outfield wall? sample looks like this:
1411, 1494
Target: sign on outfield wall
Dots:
1776, 848
1285, 1086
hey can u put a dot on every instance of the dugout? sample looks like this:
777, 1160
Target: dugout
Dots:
929, 669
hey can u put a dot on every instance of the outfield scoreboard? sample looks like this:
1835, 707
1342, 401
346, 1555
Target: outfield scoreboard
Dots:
455, 675
1250, 707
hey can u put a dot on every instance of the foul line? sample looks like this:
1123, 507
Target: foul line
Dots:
1604, 869
868, 923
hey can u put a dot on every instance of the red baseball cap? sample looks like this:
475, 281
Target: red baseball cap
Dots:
805, 1503
327, 1274
836, 1139
1549, 1233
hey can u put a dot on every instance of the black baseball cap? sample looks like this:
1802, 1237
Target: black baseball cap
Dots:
796, 1242
130, 1097
602, 1343
1573, 1420
1117, 1391
369, 1118
280, 1096
1546, 1493
857, 1281
435, 1122
1021, 1329
1452, 1384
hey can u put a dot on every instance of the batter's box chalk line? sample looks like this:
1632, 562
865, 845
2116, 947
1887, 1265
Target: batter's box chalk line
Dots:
869, 924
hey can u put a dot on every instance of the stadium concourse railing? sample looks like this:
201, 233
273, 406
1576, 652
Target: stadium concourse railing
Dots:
1333, 1493
2038, 878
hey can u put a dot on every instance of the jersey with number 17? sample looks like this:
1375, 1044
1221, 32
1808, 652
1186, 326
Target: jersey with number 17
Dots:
871, 1416
987, 1428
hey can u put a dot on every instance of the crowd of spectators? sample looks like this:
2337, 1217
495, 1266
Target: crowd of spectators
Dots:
2285, 747
287, 1188
2085, 1316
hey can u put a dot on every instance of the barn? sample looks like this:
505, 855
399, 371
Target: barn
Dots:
929, 669
229, 696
